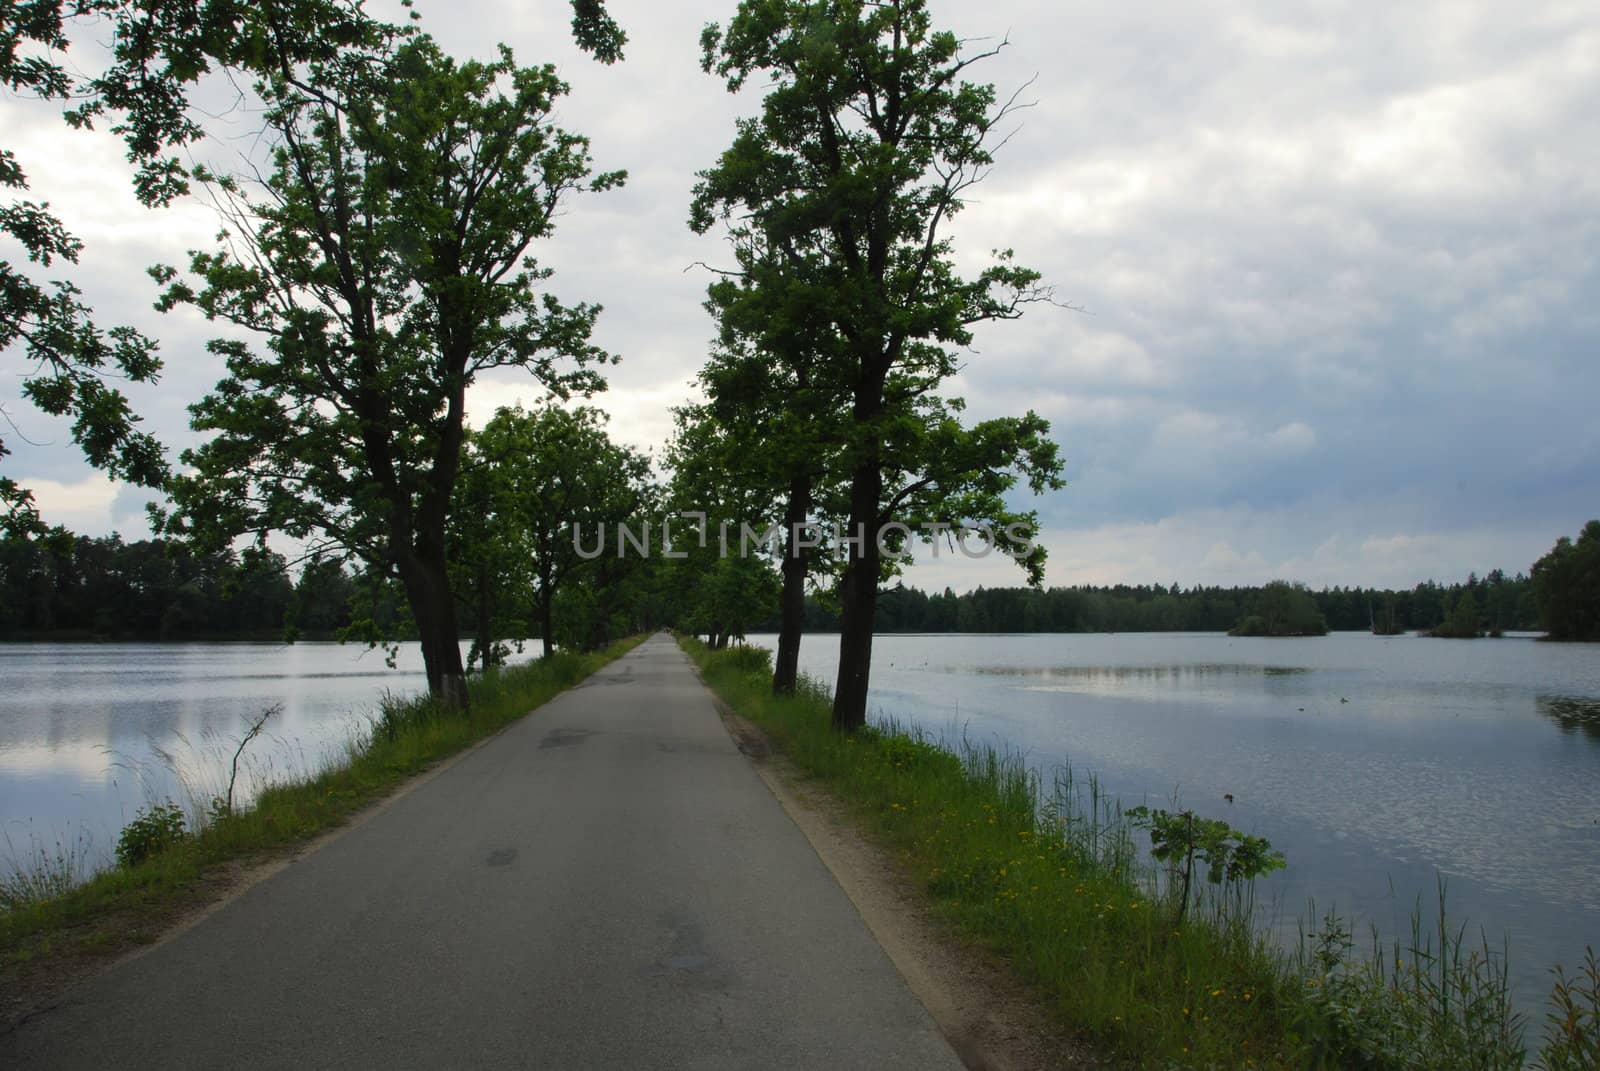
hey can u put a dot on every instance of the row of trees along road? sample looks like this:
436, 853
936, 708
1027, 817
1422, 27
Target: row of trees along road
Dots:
380, 258
843, 312
382, 263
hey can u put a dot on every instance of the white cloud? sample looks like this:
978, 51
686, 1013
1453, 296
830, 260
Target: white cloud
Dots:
83, 505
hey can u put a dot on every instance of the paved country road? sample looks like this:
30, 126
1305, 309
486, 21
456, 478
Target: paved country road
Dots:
607, 884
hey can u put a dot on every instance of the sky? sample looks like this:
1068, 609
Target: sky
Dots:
1333, 269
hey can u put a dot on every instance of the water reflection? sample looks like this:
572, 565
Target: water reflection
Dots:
1574, 714
1178, 673
1376, 764
89, 733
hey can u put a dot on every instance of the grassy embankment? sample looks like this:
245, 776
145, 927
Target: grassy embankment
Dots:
1053, 878
47, 907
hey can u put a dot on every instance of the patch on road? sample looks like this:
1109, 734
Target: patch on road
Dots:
565, 738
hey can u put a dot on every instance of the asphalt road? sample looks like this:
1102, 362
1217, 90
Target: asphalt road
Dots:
607, 884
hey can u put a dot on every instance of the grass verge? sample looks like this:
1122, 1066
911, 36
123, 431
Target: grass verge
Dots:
1053, 878
46, 914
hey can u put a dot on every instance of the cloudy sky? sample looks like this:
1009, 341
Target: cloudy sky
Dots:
1334, 269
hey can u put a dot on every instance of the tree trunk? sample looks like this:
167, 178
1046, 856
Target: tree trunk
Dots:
786, 667
858, 600
427, 583
547, 617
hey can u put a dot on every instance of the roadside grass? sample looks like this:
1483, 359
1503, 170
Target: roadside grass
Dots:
1055, 878
46, 904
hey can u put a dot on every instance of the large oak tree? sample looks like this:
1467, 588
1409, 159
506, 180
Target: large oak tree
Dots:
865, 145
383, 263
155, 51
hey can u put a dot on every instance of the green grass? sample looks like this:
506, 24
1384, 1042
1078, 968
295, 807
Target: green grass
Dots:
44, 900
1055, 878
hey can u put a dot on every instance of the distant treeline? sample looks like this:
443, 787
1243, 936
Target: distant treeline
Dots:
1505, 603
70, 586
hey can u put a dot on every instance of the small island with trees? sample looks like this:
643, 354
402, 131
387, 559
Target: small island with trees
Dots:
1282, 609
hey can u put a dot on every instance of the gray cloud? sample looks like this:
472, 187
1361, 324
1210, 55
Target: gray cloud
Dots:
1335, 264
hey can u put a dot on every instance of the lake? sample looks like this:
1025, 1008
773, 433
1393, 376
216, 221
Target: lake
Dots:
1374, 763
89, 733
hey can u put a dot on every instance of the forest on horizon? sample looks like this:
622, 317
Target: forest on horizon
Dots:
84, 587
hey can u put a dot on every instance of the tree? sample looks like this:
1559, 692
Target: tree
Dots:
779, 433
543, 480
322, 598
1566, 583
722, 571
1282, 609
862, 153
159, 49
385, 263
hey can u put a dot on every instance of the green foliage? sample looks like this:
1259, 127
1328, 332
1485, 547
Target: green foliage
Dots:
532, 483
154, 829
1566, 583
1464, 622
65, 585
387, 265
846, 277
1282, 609
1231, 857
157, 50
748, 660
1573, 1043
1431, 1005
1170, 608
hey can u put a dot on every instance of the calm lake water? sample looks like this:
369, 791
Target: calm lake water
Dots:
89, 733
1375, 764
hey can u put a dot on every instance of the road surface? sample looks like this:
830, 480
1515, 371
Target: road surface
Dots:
607, 884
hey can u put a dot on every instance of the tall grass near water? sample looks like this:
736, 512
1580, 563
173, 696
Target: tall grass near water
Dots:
1052, 875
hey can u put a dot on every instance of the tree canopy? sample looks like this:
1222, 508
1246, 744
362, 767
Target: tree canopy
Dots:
158, 50
865, 146
1566, 582
383, 264
536, 486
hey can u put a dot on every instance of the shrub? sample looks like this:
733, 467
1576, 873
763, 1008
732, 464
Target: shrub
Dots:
153, 830
750, 660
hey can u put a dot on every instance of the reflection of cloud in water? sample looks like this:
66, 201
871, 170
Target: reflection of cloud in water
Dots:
1141, 680
1574, 714
1179, 672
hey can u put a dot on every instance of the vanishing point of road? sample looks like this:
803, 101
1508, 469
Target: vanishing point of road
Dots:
608, 883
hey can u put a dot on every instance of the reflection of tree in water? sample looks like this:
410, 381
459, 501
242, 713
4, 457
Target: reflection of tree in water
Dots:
1574, 714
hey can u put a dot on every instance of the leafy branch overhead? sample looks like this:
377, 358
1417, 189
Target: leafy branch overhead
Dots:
158, 50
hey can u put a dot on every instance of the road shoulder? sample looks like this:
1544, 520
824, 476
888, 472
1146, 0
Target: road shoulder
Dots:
990, 1017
